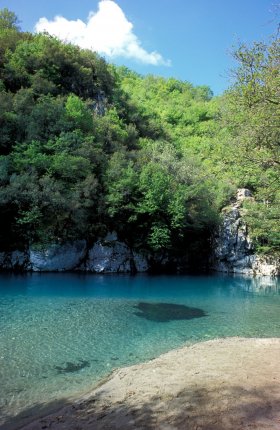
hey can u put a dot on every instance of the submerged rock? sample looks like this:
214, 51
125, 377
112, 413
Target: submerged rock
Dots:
165, 312
72, 367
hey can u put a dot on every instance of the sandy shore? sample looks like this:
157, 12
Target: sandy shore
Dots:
221, 384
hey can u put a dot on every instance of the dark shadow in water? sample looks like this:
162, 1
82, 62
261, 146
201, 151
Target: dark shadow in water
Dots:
72, 367
165, 312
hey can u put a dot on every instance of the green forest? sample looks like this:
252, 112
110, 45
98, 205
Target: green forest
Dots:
87, 147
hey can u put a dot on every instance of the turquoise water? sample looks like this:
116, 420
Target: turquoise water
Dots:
61, 333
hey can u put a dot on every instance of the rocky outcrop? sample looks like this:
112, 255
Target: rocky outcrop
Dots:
233, 249
57, 258
15, 260
108, 255
99, 104
112, 256
265, 265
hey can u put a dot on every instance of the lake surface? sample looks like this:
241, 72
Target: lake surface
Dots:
61, 333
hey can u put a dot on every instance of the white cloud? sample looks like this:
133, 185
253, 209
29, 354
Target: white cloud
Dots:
106, 31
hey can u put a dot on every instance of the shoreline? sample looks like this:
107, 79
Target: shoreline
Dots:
229, 383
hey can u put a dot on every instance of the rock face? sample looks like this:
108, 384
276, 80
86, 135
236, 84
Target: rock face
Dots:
16, 260
112, 256
99, 104
233, 250
57, 258
266, 266
107, 255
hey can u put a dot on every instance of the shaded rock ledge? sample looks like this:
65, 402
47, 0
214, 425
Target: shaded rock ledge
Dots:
107, 255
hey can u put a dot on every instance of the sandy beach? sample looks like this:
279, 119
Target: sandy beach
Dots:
221, 384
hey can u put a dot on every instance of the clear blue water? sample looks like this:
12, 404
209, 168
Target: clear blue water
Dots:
61, 333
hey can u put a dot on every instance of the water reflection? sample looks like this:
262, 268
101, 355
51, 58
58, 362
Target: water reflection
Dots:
262, 286
141, 287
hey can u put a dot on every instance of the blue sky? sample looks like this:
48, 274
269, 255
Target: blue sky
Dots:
188, 39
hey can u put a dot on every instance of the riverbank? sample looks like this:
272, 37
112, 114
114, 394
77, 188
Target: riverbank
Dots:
221, 384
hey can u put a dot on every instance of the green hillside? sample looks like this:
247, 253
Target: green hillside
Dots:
88, 147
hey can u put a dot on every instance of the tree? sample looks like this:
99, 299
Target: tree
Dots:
8, 20
87, 147
253, 117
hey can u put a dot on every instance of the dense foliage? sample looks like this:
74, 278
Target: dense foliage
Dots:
253, 116
86, 147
